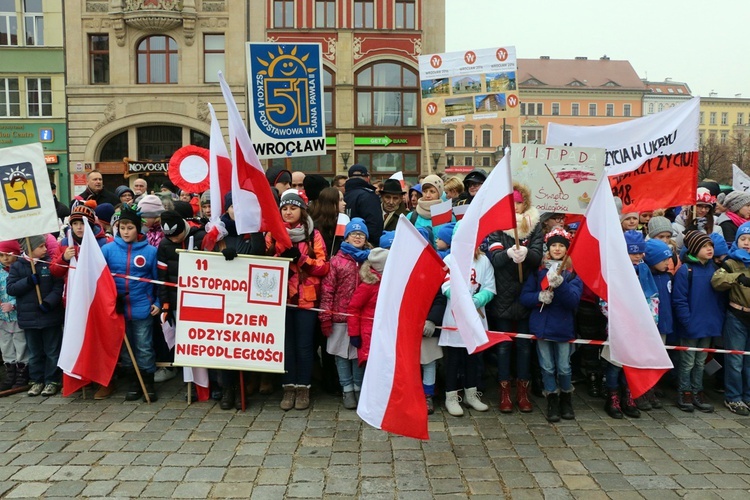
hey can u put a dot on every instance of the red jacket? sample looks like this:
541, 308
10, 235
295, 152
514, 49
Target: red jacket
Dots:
338, 289
306, 274
362, 309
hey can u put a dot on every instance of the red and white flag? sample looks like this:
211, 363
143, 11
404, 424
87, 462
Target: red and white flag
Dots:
220, 182
492, 209
600, 258
459, 211
392, 396
341, 223
93, 331
198, 376
442, 213
255, 208
644, 155
399, 176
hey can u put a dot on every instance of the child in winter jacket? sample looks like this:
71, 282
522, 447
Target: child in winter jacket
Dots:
734, 276
12, 338
131, 255
444, 239
337, 290
421, 216
362, 305
553, 293
41, 322
699, 311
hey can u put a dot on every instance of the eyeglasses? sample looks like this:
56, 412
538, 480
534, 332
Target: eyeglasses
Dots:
357, 234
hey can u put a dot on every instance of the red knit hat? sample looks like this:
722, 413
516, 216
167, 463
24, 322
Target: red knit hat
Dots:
10, 247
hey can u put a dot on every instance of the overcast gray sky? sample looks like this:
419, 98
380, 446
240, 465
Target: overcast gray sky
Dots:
705, 43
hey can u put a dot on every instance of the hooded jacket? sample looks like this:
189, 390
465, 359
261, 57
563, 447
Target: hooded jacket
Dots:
361, 201
133, 259
698, 308
337, 290
27, 304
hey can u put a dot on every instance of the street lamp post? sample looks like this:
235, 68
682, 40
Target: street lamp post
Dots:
436, 159
345, 157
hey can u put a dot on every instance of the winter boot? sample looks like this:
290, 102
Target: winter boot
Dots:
643, 403
553, 407
10, 377
612, 406
452, 404
628, 405
134, 391
685, 401
302, 397
654, 399
287, 401
522, 396
350, 402
22, 376
148, 381
595, 385
701, 402
471, 398
506, 405
227, 398
566, 406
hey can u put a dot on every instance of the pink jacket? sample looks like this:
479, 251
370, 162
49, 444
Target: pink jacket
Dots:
338, 289
362, 309
306, 273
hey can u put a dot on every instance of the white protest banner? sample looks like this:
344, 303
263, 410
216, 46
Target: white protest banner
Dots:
27, 207
285, 94
231, 314
474, 84
740, 180
644, 155
561, 179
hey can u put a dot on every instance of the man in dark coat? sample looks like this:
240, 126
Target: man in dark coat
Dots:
95, 190
392, 197
362, 201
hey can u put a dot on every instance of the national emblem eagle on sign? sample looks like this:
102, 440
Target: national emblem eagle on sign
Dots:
265, 285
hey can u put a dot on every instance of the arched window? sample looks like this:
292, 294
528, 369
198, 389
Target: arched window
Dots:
387, 96
116, 148
157, 60
330, 97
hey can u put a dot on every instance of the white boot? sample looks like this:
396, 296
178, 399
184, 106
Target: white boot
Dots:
471, 398
452, 404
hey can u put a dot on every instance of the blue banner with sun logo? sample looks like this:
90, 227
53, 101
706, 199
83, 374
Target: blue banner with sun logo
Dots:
285, 93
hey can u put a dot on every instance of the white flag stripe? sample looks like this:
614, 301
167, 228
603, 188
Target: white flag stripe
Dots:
190, 299
740, 180
217, 148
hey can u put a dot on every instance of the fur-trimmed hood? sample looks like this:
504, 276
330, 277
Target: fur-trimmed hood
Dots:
368, 275
526, 221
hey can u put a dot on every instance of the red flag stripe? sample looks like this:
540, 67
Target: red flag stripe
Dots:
586, 256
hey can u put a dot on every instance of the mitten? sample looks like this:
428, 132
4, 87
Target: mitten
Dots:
34, 278
45, 307
429, 329
518, 254
545, 296
229, 253
554, 279
291, 253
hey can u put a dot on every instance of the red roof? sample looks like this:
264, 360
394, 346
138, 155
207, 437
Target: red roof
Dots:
577, 73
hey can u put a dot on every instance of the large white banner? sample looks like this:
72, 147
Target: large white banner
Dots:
231, 314
740, 180
27, 207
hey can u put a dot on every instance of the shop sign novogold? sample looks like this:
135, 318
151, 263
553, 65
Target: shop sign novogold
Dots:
140, 167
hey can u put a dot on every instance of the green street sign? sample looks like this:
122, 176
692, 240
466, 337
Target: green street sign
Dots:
373, 141
330, 141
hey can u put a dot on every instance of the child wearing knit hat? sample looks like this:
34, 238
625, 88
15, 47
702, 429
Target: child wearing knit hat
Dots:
699, 313
12, 338
737, 204
444, 239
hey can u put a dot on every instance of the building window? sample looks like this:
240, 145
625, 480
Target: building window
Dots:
385, 164
450, 138
330, 97
532, 108
523, 109
213, 57
364, 14
486, 138
8, 23
387, 96
592, 109
468, 161
158, 142
700, 137
33, 21
626, 110
468, 138
405, 14
555, 109
486, 161
39, 97
283, 14
575, 109
724, 137
10, 99
539, 109
740, 118
157, 60
507, 138
700, 120
661, 107
99, 58
532, 135
724, 118
712, 118
325, 14
610, 110
116, 148
650, 107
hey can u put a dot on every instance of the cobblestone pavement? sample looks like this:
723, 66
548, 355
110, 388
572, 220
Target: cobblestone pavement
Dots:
70, 447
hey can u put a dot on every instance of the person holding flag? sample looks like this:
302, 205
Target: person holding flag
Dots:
421, 216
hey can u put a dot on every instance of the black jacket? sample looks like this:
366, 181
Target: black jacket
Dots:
392, 221
437, 311
102, 196
361, 201
27, 303
169, 263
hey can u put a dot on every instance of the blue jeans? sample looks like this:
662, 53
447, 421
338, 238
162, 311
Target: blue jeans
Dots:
554, 359
298, 346
615, 376
690, 371
350, 373
736, 366
140, 336
44, 345
523, 350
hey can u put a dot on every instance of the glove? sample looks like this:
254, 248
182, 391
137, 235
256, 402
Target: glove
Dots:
34, 278
545, 296
229, 253
45, 307
554, 279
429, 329
291, 253
356, 341
744, 280
518, 254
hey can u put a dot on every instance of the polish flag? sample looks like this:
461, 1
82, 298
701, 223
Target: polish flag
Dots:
341, 223
442, 213
459, 211
220, 177
255, 208
600, 257
491, 210
392, 396
198, 376
399, 176
90, 349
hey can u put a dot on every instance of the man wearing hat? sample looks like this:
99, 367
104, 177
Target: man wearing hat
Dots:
392, 199
363, 202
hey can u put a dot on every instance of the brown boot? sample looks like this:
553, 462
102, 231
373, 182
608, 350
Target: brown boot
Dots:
522, 396
506, 405
105, 391
266, 384
287, 402
302, 398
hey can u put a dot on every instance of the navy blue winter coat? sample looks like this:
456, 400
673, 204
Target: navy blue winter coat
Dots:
664, 285
556, 321
133, 259
698, 308
361, 201
27, 303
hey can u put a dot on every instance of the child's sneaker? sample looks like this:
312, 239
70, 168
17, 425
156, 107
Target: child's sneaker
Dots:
51, 389
701, 403
736, 407
36, 389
